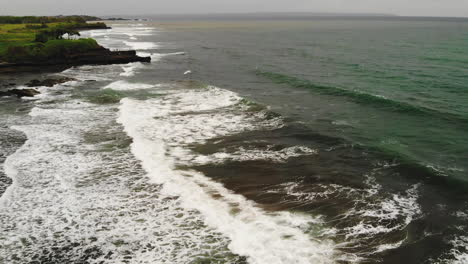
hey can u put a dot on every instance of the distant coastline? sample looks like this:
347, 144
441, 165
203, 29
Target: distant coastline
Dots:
257, 16
288, 16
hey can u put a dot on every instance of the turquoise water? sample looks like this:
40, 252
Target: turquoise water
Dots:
410, 79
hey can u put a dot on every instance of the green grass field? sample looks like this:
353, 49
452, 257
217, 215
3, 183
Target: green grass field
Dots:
17, 42
15, 35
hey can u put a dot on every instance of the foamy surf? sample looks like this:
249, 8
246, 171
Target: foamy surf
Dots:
75, 199
161, 129
123, 37
242, 154
125, 86
93, 73
460, 247
158, 56
136, 45
130, 69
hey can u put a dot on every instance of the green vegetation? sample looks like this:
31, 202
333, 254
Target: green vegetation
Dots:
45, 19
51, 49
41, 38
54, 33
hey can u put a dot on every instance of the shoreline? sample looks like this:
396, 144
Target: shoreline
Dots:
101, 56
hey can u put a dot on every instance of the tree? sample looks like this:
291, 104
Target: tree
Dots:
55, 33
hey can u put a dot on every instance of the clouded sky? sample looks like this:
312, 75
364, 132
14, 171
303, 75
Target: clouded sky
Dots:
132, 7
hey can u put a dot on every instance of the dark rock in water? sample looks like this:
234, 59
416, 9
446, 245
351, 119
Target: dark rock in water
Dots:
49, 82
116, 19
9, 85
105, 56
20, 92
98, 56
24, 92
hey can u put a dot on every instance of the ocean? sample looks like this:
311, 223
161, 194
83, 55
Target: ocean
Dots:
246, 140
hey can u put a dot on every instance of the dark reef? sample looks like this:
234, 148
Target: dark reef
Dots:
98, 56
49, 82
20, 92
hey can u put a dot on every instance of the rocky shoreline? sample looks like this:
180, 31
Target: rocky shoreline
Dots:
99, 56
7, 90
28, 92
96, 56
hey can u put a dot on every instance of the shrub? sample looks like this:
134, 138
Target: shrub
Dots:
52, 49
41, 37
55, 33
24, 53
41, 26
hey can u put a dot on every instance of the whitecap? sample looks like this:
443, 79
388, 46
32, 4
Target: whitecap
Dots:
130, 69
124, 85
242, 154
141, 45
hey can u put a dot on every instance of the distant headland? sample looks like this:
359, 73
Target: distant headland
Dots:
30, 43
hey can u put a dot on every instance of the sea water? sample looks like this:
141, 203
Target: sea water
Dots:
318, 140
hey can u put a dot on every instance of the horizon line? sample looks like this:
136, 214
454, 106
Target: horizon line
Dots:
323, 14
292, 13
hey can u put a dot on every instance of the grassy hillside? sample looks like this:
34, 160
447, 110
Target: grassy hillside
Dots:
42, 41
14, 34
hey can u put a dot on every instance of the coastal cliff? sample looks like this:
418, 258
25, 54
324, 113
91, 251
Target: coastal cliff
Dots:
96, 56
29, 44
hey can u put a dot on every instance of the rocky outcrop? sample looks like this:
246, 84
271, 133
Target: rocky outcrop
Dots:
105, 56
20, 92
6, 85
116, 19
49, 82
98, 56
91, 26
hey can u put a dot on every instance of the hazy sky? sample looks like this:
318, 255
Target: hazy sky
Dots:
132, 7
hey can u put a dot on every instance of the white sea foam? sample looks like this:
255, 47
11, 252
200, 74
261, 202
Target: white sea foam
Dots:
119, 30
130, 69
95, 73
99, 33
136, 45
385, 247
118, 37
124, 85
378, 214
460, 250
458, 254
403, 208
256, 154
73, 194
158, 56
161, 130
293, 189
